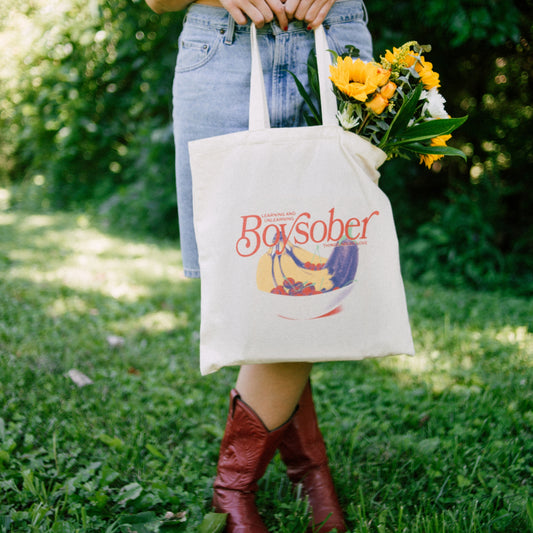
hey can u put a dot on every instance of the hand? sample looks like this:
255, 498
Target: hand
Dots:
260, 12
311, 11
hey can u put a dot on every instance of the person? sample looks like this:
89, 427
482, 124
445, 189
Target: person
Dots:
271, 406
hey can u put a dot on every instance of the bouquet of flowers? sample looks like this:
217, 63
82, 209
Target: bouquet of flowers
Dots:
394, 103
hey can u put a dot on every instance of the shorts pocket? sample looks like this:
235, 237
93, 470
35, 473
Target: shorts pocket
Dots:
197, 46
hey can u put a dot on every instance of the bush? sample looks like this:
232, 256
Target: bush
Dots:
469, 223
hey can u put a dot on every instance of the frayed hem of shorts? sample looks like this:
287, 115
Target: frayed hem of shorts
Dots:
191, 274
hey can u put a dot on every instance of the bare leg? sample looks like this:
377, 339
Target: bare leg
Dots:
273, 390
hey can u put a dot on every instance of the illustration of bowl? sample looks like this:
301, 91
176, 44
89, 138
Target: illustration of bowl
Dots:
310, 307
302, 285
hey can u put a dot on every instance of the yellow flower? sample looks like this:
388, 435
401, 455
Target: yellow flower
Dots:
383, 76
429, 159
392, 57
378, 104
388, 90
400, 56
404, 57
430, 79
357, 79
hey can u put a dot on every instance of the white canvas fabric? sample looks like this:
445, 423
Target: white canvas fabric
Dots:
297, 244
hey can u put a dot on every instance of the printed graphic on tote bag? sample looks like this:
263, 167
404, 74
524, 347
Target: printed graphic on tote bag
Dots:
310, 264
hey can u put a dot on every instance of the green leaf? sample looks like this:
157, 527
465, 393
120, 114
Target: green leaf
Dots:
307, 99
312, 75
402, 118
314, 85
145, 517
334, 54
5, 523
310, 120
352, 51
154, 451
129, 492
436, 150
213, 523
112, 442
529, 510
429, 130
462, 481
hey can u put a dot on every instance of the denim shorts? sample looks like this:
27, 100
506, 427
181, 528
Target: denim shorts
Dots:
212, 84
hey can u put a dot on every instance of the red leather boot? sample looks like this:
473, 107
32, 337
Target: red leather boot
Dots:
246, 450
304, 452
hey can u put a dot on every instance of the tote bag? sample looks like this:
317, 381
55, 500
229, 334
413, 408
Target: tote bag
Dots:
297, 245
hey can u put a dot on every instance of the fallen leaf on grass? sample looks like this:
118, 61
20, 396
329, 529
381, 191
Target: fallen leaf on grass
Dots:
79, 378
115, 341
176, 517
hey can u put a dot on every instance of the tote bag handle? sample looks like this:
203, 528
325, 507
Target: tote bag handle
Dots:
259, 117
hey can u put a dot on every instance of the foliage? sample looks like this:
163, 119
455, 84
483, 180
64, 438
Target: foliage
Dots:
90, 117
438, 442
489, 79
85, 102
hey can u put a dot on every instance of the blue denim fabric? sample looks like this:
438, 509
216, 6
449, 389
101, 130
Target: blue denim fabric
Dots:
212, 84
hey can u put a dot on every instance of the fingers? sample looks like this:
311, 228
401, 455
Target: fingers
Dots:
290, 8
314, 19
313, 12
258, 11
278, 8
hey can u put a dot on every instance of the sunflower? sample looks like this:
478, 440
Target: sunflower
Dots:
358, 79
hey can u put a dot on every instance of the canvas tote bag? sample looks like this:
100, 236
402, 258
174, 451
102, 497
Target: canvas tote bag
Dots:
297, 245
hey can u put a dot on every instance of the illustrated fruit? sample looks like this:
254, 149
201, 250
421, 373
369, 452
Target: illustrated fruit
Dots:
298, 272
342, 263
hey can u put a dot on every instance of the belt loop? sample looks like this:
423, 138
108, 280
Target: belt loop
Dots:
365, 12
230, 31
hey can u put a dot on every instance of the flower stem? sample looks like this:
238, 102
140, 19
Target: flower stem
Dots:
363, 124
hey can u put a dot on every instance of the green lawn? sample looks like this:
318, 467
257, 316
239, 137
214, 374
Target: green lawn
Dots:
441, 442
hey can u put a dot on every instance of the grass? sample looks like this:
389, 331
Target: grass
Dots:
442, 442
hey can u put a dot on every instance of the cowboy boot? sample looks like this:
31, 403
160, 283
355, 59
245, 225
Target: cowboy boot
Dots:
246, 450
304, 453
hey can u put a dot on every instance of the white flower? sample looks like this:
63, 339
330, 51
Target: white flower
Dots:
434, 105
347, 119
